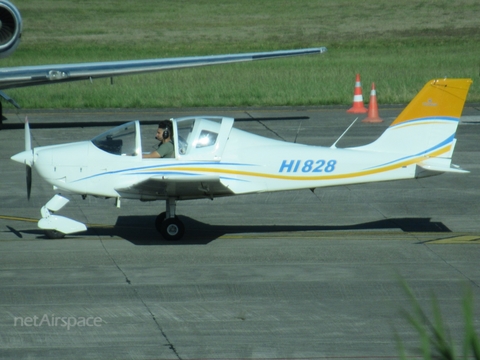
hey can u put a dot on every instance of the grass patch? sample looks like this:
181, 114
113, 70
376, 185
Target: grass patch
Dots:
398, 45
435, 340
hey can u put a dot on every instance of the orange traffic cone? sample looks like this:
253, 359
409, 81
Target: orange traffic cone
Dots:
358, 107
372, 116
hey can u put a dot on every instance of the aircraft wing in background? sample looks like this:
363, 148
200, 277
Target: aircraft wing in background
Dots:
15, 77
22, 76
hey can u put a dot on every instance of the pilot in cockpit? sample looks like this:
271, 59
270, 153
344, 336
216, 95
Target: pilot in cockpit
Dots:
165, 148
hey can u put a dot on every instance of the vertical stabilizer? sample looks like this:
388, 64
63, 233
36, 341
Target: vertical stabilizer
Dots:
438, 98
427, 126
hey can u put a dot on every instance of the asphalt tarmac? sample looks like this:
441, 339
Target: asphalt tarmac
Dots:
291, 275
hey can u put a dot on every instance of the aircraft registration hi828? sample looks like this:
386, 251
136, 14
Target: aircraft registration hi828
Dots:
213, 159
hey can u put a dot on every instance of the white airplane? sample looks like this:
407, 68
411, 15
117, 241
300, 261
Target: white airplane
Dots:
212, 159
22, 76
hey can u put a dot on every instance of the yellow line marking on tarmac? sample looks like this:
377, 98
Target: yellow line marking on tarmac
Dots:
16, 218
334, 235
462, 239
362, 235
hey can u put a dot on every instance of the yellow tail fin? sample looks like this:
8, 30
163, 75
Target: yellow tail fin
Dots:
428, 124
444, 97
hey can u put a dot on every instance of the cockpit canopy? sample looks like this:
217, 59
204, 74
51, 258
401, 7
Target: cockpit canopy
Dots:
202, 137
195, 138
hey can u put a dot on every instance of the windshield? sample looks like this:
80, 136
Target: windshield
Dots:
118, 141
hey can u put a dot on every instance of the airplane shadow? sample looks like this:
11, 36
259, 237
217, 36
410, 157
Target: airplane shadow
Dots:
140, 230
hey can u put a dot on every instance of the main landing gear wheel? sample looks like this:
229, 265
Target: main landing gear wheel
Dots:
168, 224
159, 220
172, 229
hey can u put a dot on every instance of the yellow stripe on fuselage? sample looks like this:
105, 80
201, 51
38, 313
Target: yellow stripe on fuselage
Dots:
415, 160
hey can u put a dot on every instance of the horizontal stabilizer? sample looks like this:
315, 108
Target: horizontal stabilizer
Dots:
452, 169
425, 170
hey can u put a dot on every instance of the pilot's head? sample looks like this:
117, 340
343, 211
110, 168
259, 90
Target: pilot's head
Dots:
164, 131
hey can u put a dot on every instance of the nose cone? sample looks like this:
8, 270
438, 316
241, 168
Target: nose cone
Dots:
25, 157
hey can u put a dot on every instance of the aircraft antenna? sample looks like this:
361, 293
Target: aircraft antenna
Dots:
335, 143
298, 131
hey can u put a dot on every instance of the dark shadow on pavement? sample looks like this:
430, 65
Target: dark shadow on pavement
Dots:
140, 230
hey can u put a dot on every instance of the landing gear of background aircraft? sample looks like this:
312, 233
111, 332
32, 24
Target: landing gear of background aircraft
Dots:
54, 234
168, 224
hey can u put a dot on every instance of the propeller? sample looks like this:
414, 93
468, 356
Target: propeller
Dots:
28, 147
29, 181
26, 157
28, 141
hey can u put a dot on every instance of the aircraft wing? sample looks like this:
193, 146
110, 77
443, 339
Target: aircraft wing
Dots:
179, 186
15, 77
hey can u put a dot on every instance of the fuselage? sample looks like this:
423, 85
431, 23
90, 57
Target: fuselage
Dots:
247, 163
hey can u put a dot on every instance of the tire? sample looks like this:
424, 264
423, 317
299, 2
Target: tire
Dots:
172, 229
159, 220
54, 234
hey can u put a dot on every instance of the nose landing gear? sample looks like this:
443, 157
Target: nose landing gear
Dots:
168, 224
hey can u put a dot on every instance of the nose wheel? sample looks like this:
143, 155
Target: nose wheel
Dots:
168, 224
